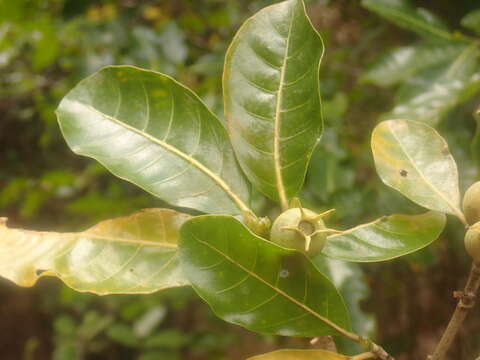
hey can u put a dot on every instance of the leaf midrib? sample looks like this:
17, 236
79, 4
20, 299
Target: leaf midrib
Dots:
219, 181
455, 209
277, 124
274, 288
91, 235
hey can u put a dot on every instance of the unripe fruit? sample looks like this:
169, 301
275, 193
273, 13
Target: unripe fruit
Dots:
471, 203
472, 241
296, 229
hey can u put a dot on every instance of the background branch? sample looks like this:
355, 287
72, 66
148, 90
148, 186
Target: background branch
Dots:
465, 303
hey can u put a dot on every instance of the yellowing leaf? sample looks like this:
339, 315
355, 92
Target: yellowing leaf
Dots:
132, 254
414, 159
300, 355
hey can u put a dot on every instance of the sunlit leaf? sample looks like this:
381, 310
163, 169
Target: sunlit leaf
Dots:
132, 254
152, 131
402, 62
428, 95
272, 99
254, 283
386, 238
300, 355
403, 14
414, 159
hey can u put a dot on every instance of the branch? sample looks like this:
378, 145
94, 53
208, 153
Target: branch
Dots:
374, 350
466, 301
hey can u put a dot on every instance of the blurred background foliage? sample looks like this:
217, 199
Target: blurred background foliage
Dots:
377, 64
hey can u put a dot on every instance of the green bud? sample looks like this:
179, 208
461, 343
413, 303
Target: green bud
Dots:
297, 228
472, 241
471, 203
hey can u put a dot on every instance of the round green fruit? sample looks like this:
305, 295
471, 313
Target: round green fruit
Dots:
471, 203
295, 227
472, 241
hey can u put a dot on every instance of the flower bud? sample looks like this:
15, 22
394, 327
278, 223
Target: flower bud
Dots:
472, 241
300, 229
471, 203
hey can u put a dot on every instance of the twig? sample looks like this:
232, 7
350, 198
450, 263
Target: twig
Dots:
376, 350
466, 301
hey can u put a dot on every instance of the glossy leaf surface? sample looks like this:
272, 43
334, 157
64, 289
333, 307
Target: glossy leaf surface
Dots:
403, 14
300, 355
429, 94
150, 130
254, 283
132, 254
386, 238
272, 99
414, 159
351, 282
400, 63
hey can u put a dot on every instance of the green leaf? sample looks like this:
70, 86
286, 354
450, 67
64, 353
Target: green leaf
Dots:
403, 14
472, 20
272, 98
300, 355
150, 130
476, 139
350, 280
386, 238
132, 254
427, 96
254, 283
402, 62
414, 159
123, 334
46, 45
170, 339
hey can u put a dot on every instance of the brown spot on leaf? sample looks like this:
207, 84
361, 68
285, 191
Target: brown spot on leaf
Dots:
39, 272
403, 173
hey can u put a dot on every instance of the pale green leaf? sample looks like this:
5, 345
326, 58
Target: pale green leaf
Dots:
472, 20
402, 62
150, 130
386, 238
405, 15
414, 159
272, 98
132, 254
252, 282
428, 95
